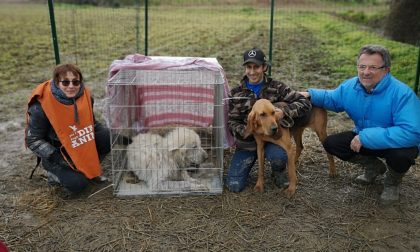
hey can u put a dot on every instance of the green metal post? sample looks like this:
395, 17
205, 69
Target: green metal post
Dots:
270, 50
416, 83
54, 32
137, 26
146, 21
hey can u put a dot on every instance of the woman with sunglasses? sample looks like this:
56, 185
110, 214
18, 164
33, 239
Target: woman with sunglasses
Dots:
63, 133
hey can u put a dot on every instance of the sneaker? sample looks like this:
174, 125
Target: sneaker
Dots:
100, 179
52, 179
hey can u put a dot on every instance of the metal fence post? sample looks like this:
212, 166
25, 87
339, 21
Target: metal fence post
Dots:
146, 21
270, 50
137, 26
54, 32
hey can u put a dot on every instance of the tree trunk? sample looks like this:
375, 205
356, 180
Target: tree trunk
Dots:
403, 22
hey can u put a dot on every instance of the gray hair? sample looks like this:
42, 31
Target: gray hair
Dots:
376, 49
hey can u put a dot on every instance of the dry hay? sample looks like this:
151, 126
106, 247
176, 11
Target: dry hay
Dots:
326, 214
41, 201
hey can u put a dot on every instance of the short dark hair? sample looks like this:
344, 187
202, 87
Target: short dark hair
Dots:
62, 69
376, 49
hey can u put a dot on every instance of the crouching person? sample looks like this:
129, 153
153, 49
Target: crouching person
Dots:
386, 115
62, 130
257, 85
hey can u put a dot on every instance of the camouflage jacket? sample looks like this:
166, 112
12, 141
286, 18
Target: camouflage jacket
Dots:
241, 100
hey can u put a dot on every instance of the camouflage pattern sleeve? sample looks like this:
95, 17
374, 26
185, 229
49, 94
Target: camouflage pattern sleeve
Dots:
298, 105
291, 102
237, 112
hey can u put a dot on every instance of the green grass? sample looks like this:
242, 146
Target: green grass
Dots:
342, 39
371, 19
310, 46
25, 48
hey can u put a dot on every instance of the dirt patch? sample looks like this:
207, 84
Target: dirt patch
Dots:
326, 214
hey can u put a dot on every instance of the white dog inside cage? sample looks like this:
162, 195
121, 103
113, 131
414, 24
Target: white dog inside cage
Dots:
166, 163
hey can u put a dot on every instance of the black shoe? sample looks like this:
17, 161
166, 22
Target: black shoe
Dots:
100, 179
280, 179
52, 179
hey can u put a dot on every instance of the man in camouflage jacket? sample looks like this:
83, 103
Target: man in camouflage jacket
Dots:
257, 85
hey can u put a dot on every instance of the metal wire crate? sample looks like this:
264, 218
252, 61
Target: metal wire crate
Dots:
151, 106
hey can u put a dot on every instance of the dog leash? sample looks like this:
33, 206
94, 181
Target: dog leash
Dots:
100, 190
38, 161
235, 98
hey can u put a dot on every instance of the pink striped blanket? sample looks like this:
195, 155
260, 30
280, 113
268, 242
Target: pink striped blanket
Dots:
143, 106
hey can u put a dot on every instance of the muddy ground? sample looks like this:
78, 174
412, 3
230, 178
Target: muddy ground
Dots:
326, 214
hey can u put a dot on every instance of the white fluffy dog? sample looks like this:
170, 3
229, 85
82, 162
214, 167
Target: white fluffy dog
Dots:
163, 163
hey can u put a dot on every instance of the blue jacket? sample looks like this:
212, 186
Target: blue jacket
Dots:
388, 117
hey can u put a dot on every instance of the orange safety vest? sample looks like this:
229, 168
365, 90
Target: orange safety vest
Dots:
78, 139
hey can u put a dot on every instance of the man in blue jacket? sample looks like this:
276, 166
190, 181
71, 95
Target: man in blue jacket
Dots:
386, 114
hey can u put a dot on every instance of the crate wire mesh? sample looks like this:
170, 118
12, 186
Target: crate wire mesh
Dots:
160, 110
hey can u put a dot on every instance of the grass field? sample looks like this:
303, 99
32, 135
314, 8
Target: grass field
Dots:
93, 36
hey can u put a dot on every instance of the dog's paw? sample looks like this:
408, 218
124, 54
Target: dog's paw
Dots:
290, 191
259, 188
332, 172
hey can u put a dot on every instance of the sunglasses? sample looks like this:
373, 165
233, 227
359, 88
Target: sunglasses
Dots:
66, 83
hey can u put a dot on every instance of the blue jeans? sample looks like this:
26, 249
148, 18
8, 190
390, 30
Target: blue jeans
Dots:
243, 160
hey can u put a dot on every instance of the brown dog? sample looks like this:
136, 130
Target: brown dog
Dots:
263, 123
317, 121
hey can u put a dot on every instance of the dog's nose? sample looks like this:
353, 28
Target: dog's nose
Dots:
274, 129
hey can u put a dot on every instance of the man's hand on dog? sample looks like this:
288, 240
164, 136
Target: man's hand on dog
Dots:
355, 144
306, 94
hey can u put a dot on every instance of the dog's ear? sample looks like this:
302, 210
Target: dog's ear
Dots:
178, 154
251, 124
173, 147
278, 114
